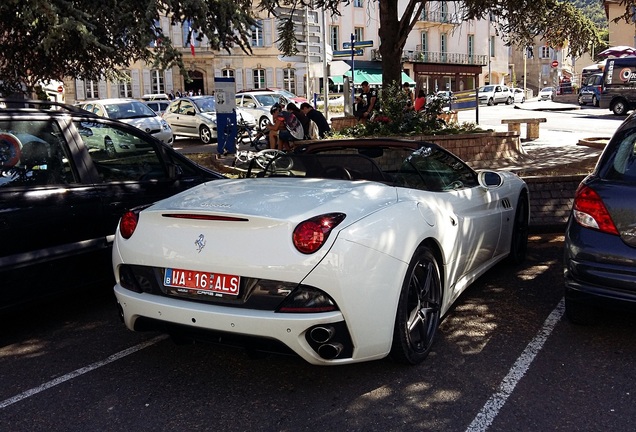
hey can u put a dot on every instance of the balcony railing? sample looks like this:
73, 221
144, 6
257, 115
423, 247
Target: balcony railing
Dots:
439, 17
419, 56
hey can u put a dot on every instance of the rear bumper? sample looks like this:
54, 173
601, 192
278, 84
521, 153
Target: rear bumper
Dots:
598, 267
254, 328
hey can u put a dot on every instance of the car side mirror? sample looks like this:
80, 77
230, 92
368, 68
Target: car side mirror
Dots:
251, 105
489, 179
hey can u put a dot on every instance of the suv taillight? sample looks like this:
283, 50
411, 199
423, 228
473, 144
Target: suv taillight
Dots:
589, 211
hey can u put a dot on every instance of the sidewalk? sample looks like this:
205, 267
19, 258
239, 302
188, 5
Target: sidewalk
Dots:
552, 149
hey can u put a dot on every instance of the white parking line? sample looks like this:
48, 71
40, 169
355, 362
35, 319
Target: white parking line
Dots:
78, 372
490, 410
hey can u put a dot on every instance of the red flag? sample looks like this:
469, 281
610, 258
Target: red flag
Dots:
191, 41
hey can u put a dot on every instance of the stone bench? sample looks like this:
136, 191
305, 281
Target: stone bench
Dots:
532, 129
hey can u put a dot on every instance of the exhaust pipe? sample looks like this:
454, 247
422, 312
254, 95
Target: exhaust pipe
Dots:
330, 351
322, 335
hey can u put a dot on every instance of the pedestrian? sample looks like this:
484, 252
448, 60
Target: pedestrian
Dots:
420, 101
171, 95
302, 118
286, 128
317, 117
410, 98
178, 94
369, 97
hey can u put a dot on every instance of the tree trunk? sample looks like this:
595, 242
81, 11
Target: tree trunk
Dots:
393, 33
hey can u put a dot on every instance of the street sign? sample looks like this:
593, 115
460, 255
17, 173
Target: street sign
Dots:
359, 44
555, 63
347, 53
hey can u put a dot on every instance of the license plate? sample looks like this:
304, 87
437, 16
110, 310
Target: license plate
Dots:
204, 283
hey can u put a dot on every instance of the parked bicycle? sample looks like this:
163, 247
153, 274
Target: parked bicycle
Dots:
261, 159
247, 135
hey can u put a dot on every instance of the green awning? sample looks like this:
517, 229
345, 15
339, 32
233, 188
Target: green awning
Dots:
373, 76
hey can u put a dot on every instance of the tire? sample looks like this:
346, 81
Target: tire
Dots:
509, 101
419, 307
491, 102
619, 107
110, 147
519, 240
579, 313
205, 134
263, 122
594, 101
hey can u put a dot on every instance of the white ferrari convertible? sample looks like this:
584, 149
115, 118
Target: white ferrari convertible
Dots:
342, 251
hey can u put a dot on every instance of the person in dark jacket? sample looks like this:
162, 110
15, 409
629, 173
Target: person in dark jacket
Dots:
317, 117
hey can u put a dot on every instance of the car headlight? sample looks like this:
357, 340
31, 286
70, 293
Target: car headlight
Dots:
165, 126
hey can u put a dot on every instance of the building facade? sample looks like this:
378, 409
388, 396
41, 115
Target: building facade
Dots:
441, 53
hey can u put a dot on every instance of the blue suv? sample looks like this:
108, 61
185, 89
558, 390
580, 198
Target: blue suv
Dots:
590, 92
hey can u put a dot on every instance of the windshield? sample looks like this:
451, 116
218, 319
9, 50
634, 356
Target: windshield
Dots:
268, 99
206, 104
128, 110
547, 89
488, 88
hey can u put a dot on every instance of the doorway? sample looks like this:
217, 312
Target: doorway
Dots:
196, 83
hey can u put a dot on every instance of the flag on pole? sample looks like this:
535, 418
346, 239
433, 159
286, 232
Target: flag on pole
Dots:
191, 40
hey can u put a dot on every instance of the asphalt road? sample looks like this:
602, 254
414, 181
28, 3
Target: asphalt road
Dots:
506, 359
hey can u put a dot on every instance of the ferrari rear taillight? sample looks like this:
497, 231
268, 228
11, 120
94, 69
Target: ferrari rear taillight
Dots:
589, 211
310, 235
128, 224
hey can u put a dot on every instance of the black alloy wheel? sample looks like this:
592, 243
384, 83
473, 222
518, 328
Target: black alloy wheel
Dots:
419, 308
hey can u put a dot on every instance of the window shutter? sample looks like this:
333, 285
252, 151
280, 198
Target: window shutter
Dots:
102, 89
239, 79
177, 37
114, 93
168, 80
300, 83
280, 79
136, 85
269, 77
80, 95
146, 81
267, 32
249, 79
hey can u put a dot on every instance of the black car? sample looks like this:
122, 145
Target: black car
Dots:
600, 239
62, 194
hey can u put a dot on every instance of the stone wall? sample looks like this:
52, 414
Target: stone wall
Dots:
551, 200
478, 148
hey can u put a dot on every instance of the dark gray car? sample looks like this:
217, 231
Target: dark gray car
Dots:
600, 239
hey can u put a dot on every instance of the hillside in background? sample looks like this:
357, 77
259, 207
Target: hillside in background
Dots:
593, 9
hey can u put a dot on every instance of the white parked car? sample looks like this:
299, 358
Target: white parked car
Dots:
342, 251
495, 94
518, 95
547, 93
259, 103
195, 116
134, 113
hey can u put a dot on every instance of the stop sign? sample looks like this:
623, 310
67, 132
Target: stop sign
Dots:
60, 89
555, 63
